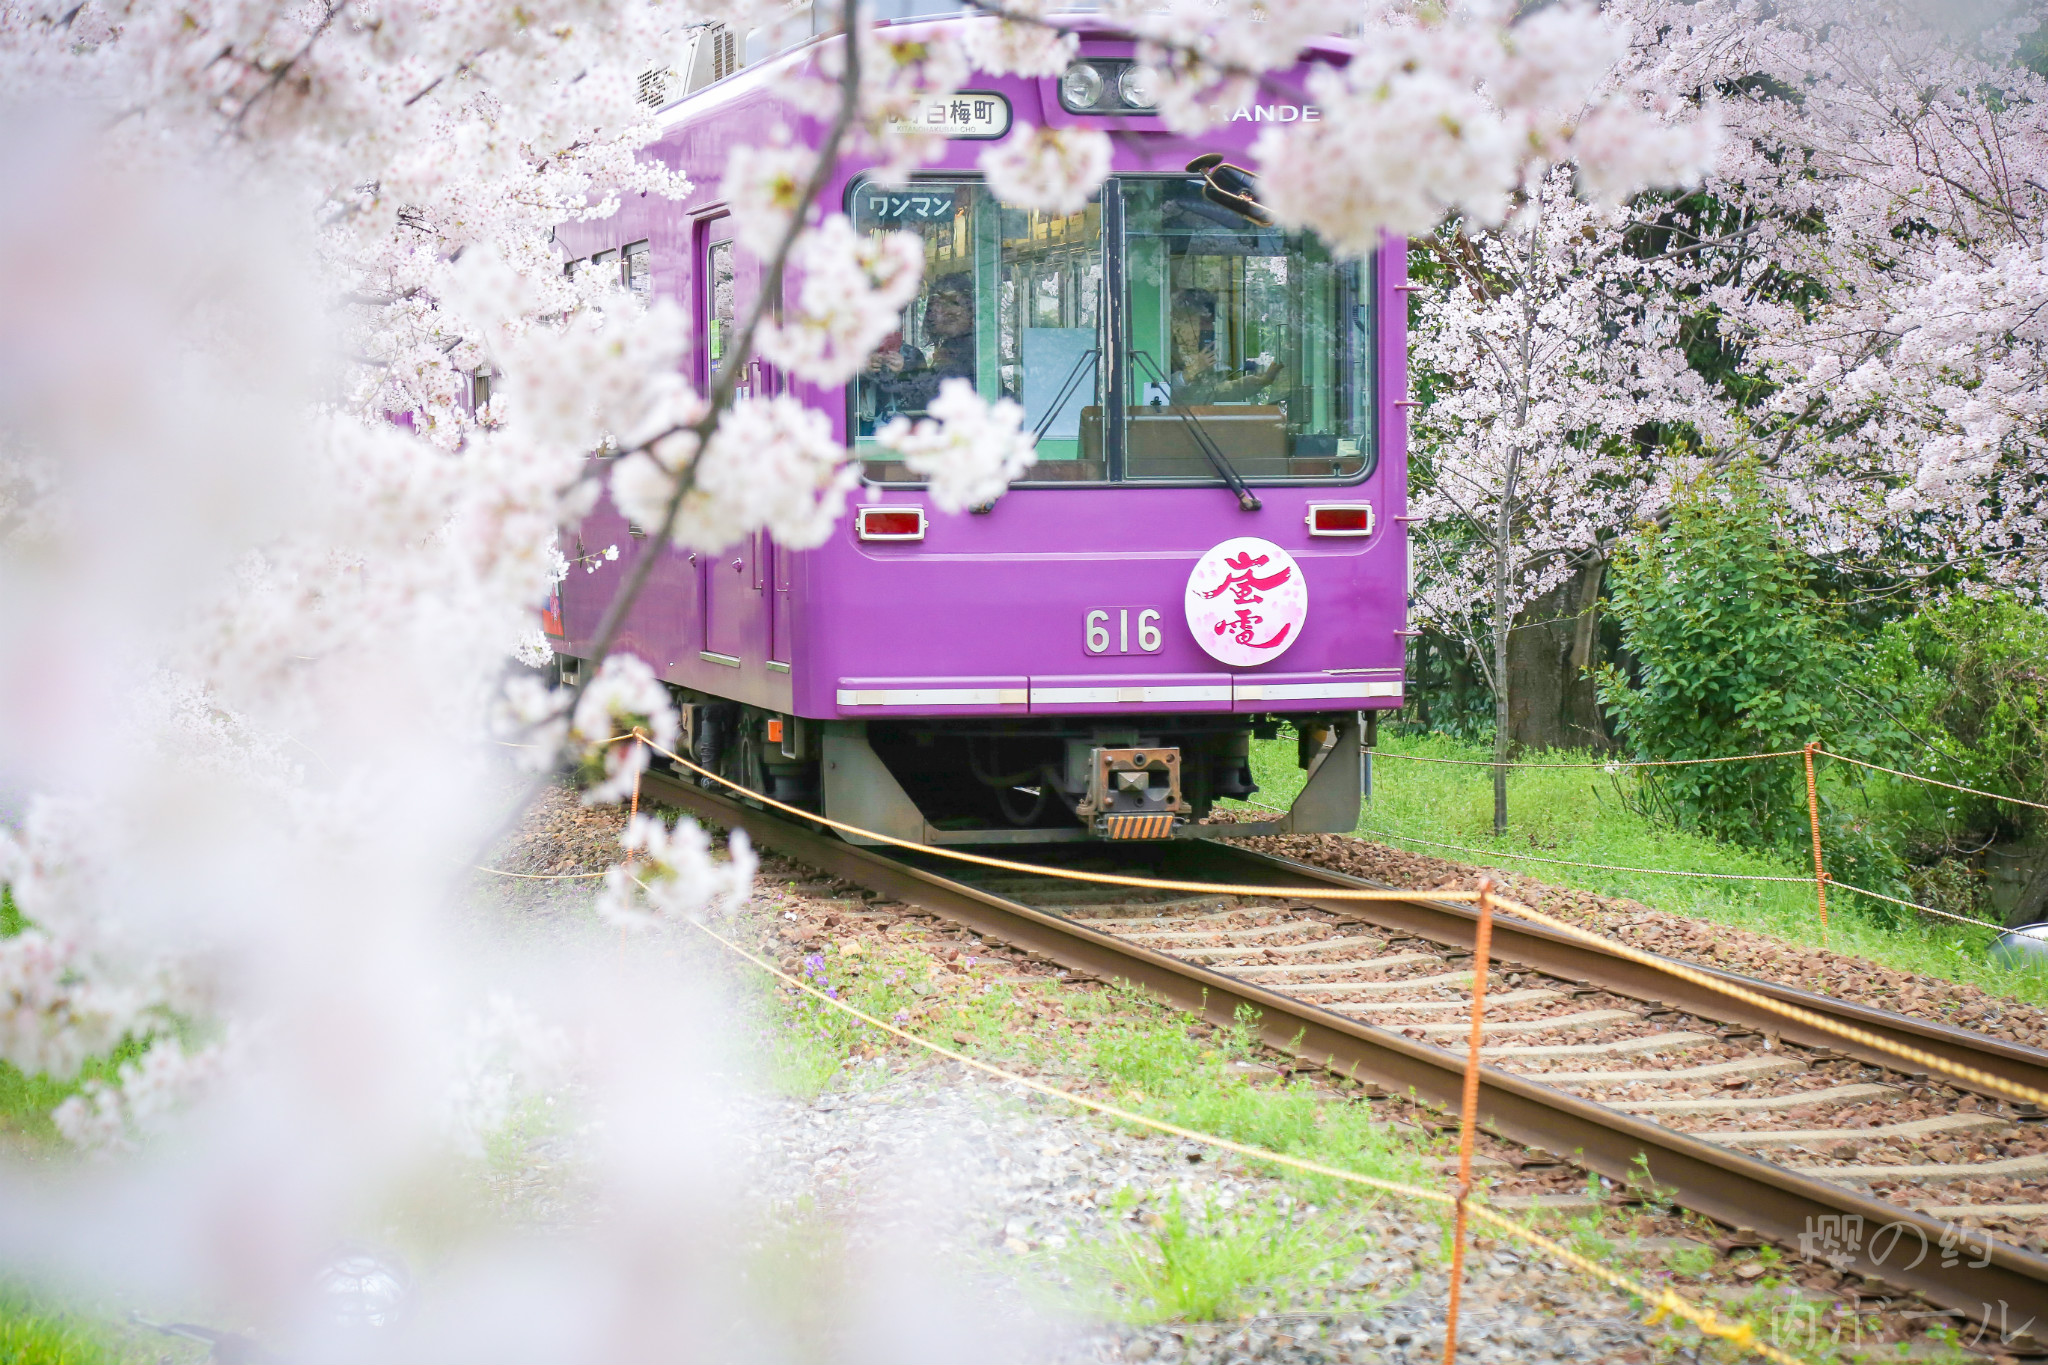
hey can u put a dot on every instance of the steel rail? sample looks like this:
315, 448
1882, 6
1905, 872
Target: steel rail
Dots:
1731, 1187
1547, 950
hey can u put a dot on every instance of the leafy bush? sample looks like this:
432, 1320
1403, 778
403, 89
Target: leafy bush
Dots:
1735, 653
1971, 678
1446, 694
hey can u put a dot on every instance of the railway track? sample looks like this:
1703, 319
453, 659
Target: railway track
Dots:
1591, 1062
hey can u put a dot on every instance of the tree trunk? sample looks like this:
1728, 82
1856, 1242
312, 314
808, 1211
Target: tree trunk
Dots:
1502, 623
1553, 702
1504, 558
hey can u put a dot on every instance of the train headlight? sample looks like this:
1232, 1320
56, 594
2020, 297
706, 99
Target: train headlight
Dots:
1138, 86
1081, 87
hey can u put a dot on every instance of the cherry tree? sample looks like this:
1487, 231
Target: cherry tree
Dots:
263, 568
1550, 345
1891, 161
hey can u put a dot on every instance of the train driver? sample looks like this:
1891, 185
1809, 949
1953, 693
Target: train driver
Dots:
1196, 376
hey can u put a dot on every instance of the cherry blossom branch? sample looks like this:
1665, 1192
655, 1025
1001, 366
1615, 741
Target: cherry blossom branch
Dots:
1266, 80
466, 64
726, 380
277, 77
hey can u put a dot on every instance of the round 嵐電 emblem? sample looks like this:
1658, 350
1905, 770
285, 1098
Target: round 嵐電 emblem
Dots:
1246, 601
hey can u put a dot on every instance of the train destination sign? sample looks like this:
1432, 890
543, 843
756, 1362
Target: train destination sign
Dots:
969, 114
1246, 601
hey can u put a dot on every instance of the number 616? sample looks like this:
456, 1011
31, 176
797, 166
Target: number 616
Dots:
1109, 630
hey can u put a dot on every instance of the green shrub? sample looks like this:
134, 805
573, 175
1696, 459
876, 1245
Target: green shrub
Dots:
1735, 653
1972, 680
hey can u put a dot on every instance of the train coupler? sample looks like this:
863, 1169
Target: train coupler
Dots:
1134, 793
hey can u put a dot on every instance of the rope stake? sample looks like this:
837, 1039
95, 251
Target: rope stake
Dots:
1468, 1116
1820, 874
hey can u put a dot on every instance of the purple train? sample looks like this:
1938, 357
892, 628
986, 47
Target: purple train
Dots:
1211, 542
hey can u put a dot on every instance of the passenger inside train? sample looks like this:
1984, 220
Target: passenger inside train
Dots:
908, 377
1196, 377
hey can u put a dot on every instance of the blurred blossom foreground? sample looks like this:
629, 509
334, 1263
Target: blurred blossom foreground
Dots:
296, 402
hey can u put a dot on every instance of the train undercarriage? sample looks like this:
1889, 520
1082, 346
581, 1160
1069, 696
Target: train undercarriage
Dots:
997, 780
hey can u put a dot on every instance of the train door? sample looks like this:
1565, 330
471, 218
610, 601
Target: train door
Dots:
736, 597
778, 603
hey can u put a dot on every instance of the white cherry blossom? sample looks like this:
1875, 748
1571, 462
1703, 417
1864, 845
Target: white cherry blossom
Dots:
672, 874
851, 289
624, 700
971, 453
1052, 169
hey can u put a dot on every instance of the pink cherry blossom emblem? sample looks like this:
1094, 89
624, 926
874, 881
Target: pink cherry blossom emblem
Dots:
1246, 601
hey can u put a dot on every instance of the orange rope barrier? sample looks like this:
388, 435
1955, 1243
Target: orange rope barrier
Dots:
1833, 881
1602, 767
1934, 781
1567, 862
1039, 869
1983, 1080
1915, 905
1468, 1115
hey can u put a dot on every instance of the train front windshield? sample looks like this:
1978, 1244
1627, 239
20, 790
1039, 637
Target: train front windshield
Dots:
1231, 341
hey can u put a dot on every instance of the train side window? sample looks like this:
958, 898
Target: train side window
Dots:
637, 272
604, 265
1011, 303
720, 318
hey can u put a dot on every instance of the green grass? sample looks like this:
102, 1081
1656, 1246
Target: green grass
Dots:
26, 1101
1296, 1248
34, 1331
1166, 1262
1580, 816
1179, 1262
1152, 1058
1159, 1063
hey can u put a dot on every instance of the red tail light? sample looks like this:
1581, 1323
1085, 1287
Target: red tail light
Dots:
1340, 519
891, 523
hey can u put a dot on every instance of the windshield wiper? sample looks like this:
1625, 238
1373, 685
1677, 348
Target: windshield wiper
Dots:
1203, 440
